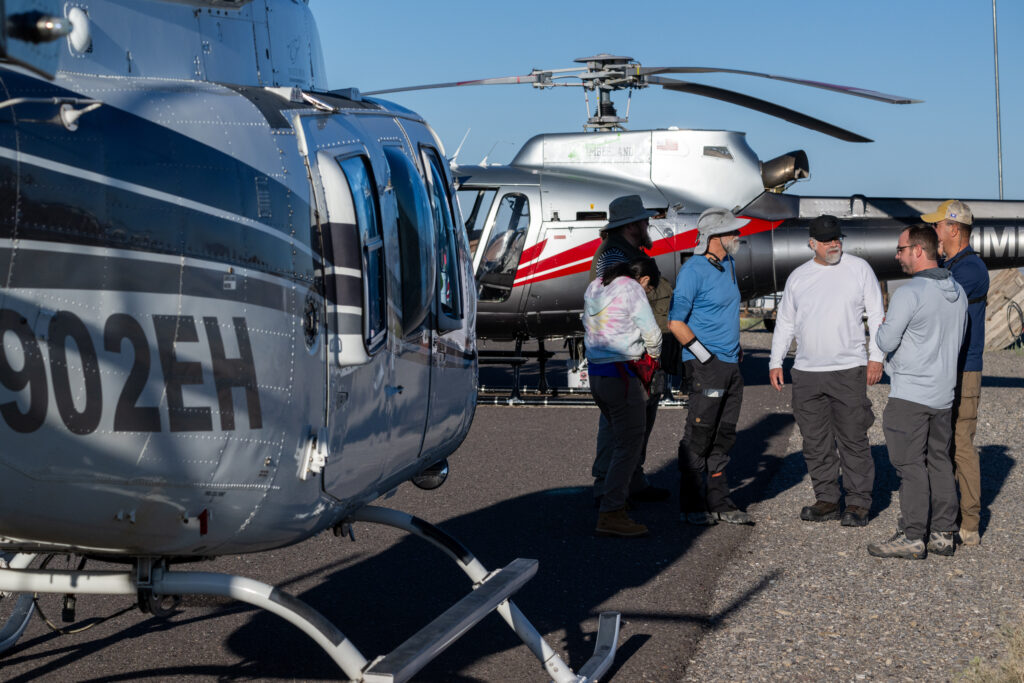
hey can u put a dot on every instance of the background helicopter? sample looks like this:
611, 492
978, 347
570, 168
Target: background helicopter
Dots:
236, 309
537, 219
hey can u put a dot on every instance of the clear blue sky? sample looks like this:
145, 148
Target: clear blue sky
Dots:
939, 51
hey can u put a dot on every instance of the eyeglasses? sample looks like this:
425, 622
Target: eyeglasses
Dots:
837, 240
899, 249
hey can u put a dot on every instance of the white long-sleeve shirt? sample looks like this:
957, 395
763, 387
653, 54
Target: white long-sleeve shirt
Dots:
823, 308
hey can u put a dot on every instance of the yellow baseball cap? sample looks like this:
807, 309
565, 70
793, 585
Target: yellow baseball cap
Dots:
951, 209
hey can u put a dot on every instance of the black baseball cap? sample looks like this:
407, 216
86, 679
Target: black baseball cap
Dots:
825, 228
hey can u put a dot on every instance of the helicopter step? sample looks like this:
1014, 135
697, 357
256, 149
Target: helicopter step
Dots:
154, 583
412, 655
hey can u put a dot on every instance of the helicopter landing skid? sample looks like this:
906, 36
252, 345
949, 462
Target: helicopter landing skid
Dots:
606, 641
153, 583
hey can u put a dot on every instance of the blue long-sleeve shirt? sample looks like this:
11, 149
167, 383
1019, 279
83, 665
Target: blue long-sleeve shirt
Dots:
970, 273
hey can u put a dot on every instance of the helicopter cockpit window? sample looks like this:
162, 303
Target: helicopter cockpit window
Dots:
498, 264
364, 203
477, 201
415, 240
449, 292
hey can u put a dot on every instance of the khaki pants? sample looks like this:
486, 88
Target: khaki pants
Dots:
965, 455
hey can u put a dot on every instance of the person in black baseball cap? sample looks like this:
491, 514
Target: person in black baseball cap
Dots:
823, 307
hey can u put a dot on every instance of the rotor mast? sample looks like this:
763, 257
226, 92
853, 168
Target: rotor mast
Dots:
606, 73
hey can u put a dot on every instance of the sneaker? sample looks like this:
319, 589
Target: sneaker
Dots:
618, 523
733, 517
855, 515
820, 512
651, 494
899, 546
697, 518
941, 543
972, 538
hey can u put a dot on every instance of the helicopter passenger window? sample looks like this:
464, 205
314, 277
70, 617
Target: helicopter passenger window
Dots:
415, 241
498, 264
479, 203
449, 293
364, 200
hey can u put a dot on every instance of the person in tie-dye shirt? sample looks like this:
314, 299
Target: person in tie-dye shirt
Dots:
620, 327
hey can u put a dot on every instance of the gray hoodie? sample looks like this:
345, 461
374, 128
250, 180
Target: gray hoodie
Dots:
921, 335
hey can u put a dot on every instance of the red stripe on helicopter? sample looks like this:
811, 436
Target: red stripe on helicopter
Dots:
531, 253
577, 259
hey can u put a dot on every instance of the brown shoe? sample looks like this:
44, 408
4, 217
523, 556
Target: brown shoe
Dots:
618, 523
820, 512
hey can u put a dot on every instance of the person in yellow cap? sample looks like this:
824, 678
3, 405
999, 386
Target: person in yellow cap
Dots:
952, 222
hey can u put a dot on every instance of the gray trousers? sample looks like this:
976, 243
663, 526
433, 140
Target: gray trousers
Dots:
918, 441
832, 410
606, 444
623, 403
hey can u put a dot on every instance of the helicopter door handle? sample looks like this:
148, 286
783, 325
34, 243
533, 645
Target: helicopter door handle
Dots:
392, 390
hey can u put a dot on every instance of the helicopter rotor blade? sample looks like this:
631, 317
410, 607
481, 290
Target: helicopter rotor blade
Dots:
844, 89
756, 104
539, 77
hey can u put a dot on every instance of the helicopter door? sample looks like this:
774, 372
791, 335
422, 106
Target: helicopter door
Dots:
409, 236
350, 239
504, 240
450, 364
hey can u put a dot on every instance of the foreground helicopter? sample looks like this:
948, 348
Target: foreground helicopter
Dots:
236, 310
535, 223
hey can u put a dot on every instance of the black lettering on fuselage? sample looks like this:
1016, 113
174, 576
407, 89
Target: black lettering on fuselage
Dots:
66, 325
128, 416
234, 372
171, 330
32, 375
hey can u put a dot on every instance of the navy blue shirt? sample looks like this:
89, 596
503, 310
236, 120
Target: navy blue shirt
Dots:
970, 273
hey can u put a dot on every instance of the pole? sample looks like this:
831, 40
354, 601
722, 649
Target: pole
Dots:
999, 125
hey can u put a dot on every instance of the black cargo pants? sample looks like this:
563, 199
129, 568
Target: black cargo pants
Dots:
715, 398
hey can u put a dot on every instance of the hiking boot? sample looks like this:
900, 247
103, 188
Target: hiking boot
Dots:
820, 512
733, 517
965, 537
651, 494
899, 546
941, 543
618, 523
697, 518
855, 515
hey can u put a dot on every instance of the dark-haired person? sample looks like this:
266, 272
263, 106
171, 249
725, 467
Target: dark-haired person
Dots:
922, 332
823, 308
623, 239
619, 328
705, 319
952, 222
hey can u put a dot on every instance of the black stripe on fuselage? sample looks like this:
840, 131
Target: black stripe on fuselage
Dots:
40, 269
58, 206
54, 207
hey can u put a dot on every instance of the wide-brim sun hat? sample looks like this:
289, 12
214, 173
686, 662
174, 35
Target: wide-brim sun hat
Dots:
626, 209
714, 222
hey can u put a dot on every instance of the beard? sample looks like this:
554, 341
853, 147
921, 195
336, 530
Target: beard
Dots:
731, 248
645, 240
833, 256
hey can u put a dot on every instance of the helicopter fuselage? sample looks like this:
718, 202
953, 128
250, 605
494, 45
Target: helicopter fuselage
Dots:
212, 338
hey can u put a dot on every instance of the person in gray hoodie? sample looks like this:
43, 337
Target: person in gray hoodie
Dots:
921, 334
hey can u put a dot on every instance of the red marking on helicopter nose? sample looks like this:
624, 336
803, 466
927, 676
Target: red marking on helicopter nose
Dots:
204, 519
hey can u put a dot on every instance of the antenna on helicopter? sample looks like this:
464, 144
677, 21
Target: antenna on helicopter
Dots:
454, 158
606, 73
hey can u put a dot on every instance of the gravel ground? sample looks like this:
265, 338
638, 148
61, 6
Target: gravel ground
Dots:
804, 601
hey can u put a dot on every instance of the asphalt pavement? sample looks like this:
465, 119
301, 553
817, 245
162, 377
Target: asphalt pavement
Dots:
519, 487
